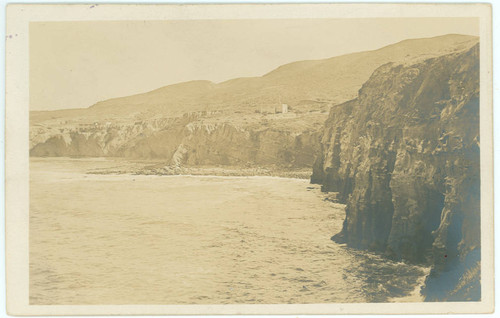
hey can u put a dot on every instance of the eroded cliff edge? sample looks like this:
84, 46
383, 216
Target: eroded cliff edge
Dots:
404, 157
196, 139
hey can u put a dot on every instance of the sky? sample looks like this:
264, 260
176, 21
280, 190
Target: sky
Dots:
76, 64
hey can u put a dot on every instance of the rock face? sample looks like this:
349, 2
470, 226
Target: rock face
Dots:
186, 140
404, 157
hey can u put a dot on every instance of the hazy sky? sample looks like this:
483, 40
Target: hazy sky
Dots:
76, 64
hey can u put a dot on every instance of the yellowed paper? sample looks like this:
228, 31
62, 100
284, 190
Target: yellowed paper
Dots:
196, 159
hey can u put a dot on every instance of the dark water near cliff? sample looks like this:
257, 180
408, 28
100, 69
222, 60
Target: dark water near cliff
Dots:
128, 239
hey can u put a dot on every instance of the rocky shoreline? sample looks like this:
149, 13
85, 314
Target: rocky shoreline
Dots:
159, 170
404, 158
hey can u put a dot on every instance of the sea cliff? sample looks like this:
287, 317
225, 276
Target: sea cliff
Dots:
196, 139
404, 158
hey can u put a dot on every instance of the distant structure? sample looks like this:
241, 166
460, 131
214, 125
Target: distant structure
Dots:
284, 108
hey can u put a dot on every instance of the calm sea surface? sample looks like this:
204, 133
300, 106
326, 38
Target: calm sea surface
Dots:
129, 239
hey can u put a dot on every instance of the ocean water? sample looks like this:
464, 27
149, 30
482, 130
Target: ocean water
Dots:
130, 239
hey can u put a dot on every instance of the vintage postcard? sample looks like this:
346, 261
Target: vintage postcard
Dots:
249, 159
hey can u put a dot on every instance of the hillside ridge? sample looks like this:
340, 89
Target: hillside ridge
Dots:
334, 79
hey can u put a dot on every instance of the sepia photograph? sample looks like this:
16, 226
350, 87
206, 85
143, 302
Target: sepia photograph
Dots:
249, 159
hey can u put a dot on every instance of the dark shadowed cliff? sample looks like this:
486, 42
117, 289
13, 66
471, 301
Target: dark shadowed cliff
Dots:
404, 157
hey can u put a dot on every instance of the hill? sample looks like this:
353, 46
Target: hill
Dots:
299, 84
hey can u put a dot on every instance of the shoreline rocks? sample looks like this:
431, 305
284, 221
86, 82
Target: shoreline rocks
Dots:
404, 157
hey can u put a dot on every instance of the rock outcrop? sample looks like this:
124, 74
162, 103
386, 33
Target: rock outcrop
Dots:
186, 141
404, 158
